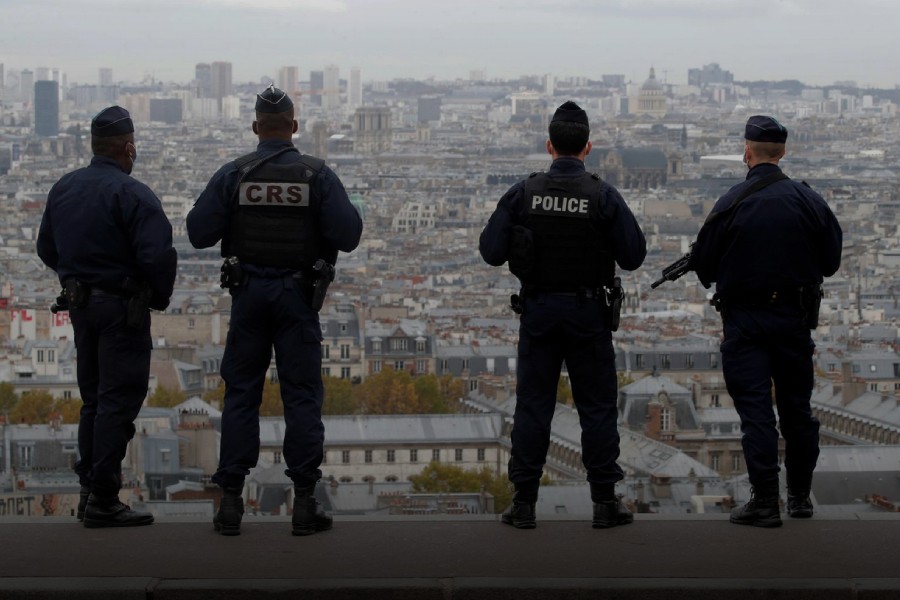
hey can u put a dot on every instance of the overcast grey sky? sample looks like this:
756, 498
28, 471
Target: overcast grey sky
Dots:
815, 41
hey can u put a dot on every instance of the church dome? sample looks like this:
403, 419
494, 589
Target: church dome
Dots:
652, 83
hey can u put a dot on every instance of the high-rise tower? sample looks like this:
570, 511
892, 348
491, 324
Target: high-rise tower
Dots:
46, 108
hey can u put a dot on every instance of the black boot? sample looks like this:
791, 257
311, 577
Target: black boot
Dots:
108, 511
609, 513
309, 516
520, 513
82, 502
761, 511
799, 506
231, 509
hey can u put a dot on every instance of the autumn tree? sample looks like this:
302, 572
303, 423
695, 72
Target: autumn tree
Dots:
34, 407
163, 397
215, 397
388, 392
8, 397
68, 408
338, 397
564, 392
271, 406
440, 478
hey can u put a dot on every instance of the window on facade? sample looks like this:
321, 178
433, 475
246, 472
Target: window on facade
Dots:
665, 361
832, 367
67, 394
164, 454
326, 371
391, 456
399, 344
345, 456
326, 351
368, 456
638, 361
276, 458
458, 455
399, 365
25, 456
491, 365
40, 356
714, 462
376, 366
420, 345
873, 387
665, 419
714, 400
736, 462
345, 372
191, 323
473, 385
445, 365
465, 364
689, 361
51, 356
343, 328
391, 478
413, 456
421, 366
481, 454
345, 350
346, 479
713, 360
436, 455
376, 347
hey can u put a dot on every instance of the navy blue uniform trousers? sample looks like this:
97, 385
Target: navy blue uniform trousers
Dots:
272, 312
762, 348
113, 362
554, 329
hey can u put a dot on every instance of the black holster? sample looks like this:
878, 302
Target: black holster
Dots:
614, 296
811, 302
232, 273
138, 302
323, 275
76, 293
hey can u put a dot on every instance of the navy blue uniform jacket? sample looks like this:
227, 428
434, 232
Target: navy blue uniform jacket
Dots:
628, 243
209, 220
779, 238
101, 225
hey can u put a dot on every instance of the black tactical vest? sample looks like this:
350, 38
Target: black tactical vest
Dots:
272, 224
570, 252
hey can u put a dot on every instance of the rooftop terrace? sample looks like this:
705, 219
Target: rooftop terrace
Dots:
448, 558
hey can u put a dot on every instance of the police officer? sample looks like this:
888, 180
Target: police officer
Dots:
109, 241
562, 232
767, 244
281, 217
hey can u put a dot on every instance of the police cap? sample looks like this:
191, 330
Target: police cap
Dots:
111, 121
761, 128
569, 111
273, 100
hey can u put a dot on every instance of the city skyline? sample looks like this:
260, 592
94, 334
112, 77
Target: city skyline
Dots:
811, 41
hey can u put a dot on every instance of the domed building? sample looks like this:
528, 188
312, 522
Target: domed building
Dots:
652, 98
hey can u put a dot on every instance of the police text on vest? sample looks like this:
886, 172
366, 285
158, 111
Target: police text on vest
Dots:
559, 205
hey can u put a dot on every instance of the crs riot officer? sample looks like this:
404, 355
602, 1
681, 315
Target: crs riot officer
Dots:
282, 217
767, 244
109, 241
562, 233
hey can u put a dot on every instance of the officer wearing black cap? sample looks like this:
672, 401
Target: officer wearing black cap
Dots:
563, 232
109, 241
767, 244
282, 217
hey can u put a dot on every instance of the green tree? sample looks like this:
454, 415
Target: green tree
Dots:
34, 407
338, 397
432, 394
164, 397
8, 397
452, 389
